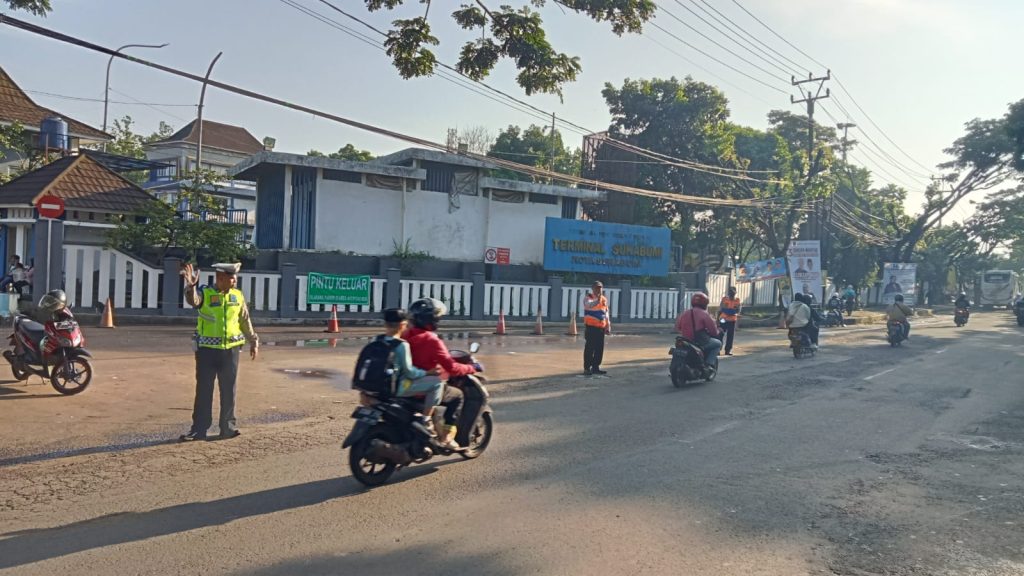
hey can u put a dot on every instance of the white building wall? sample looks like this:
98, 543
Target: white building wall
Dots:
355, 218
459, 235
520, 228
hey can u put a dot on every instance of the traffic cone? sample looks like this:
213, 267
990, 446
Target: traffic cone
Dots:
501, 323
572, 326
539, 328
332, 324
107, 321
332, 342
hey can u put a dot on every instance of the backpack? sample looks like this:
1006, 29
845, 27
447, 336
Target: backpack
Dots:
375, 367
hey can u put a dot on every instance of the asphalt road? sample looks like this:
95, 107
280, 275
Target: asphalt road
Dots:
863, 460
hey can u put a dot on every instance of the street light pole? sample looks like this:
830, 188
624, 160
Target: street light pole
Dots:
106, 90
202, 97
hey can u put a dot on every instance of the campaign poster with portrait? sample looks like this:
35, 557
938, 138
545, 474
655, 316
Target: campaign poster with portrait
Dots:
899, 278
761, 270
805, 267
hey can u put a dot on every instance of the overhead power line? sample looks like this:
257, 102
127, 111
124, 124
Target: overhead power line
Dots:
522, 168
735, 38
798, 70
87, 99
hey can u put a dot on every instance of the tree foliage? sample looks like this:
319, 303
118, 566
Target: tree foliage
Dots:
347, 152
21, 154
129, 143
506, 32
534, 146
198, 225
36, 7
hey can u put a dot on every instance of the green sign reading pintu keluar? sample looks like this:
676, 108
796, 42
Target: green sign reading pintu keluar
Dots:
341, 290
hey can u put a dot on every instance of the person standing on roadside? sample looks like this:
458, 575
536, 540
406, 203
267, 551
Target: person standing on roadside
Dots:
728, 314
597, 324
222, 329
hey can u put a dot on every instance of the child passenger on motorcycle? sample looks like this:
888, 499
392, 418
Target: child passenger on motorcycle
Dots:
410, 380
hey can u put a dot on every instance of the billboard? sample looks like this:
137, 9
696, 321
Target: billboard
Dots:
805, 267
761, 270
606, 248
899, 278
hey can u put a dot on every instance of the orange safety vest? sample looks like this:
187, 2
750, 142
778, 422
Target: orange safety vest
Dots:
595, 311
730, 308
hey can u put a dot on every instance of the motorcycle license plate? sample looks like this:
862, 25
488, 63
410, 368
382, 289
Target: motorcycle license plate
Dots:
367, 414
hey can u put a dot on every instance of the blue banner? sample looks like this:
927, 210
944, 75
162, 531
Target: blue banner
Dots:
606, 248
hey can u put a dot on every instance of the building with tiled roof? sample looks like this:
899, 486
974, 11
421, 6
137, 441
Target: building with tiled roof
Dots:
16, 106
92, 194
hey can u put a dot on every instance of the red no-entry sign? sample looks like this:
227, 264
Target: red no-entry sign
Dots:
50, 207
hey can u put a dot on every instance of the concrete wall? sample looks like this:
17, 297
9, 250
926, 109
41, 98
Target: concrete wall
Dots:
460, 235
355, 218
520, 227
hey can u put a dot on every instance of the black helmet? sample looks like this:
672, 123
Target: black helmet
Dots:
899, 298
53, 301
426, 313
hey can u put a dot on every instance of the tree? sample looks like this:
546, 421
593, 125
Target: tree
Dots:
505, 32
477, 139
18, 143
37, 7
198, 225
347, 152
128, 143
534, 146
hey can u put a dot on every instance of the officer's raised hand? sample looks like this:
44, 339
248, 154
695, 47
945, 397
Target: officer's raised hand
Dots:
191, 274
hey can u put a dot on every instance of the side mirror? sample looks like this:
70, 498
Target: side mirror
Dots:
474, 347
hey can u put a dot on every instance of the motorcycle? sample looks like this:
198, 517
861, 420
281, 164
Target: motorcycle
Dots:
961, 316
59, 344
800, 342
833, 318
388, 436
851, 303
689, 364
896, 334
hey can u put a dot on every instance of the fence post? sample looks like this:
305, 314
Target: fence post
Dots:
171, 304
625, 301
393, 288
287, 291
555, 298
476, 296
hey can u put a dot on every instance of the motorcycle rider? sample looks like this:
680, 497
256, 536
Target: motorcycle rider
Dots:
835, 304
429, 352
698, 327
802, 317
850, 297
900, 312
962, 301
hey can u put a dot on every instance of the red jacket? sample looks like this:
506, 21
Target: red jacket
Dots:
429, 351
701, 319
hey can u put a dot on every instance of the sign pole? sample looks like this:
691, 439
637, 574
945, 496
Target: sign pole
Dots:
49, 242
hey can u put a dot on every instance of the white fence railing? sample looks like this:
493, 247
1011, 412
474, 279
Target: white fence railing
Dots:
93, 274
456, 295
261, 289
717, 285
376, 298
572, 300
516, 299
648, 304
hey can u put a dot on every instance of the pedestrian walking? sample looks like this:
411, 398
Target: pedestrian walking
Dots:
223, 327
597, 324
728, 314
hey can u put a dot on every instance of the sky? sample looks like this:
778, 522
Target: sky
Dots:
918, 69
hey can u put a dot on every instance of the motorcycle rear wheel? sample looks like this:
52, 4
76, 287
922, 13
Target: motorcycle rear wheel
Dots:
480, 437
72, 376
366, 471
20, 372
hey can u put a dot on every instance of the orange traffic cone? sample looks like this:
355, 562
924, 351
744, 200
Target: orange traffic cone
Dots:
572, 326
107, 321
501, 323
539, 328
332, 324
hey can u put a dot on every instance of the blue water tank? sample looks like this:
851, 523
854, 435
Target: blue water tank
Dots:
53, 134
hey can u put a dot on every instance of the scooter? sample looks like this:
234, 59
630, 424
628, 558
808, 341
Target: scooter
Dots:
833, 318
800, 342
689, 364
897, 333
54, 351
961, 316
388, 436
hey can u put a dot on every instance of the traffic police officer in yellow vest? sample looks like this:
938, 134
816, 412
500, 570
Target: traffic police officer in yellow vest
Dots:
597, 323
222, 329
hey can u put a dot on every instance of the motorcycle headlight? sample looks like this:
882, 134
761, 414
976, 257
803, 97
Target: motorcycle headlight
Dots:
65, 342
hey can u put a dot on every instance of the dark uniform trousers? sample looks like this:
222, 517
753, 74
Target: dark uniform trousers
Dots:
593, 351
222, 366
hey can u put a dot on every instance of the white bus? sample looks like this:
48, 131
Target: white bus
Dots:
998, 287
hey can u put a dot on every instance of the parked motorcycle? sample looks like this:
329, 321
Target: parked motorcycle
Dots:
897, 333
961, 316
689, 364
386, 436
800, 342
833, 319
54, 350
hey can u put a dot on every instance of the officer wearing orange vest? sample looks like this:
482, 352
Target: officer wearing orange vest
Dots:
728, 314
597, 323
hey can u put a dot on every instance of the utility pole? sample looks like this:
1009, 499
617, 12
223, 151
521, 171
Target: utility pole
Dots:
814, 226
845, 145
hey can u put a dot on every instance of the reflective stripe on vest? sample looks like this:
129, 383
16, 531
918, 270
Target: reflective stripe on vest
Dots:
730, 308
219, 324
595, 311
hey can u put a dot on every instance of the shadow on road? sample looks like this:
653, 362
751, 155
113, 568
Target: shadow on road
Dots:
409, 561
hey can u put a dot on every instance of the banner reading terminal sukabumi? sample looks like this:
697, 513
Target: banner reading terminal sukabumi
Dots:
606, 248
805, 267
899, 278
340, 290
